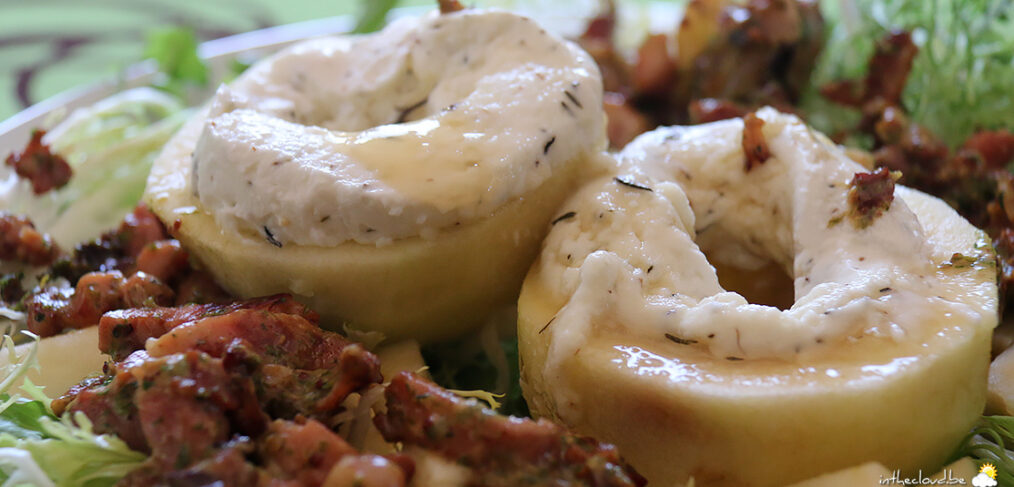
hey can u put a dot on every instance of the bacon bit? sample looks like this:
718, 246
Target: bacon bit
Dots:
141, 289
892, 125
164, 259
870, 195
114, 250
139, 229
890, 66
449, 6
624, 123
844, 92
597, 40
500, 450
54, 310
707, 110
157, 268
761, 53
886, 75
995, 147
188, 403
178, 408
305, 450
39, 165
603, 25
288, 339
11, 290
773, 21
121, 332
227, 467
974, 179
21, 242
655, 70
754, 145
96, 396
241, 398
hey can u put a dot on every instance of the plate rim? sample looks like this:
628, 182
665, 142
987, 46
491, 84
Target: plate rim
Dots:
16, 130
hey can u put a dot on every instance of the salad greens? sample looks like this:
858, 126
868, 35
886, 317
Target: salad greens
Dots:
373, 15
175, 51
110, 147
961, 79
39, 449
991, 441
466, 366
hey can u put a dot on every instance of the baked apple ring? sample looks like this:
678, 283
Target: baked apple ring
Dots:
399, 181
626, 332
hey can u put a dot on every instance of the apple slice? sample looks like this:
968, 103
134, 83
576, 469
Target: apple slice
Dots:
400, 182
63, 359
626, 333
419, 288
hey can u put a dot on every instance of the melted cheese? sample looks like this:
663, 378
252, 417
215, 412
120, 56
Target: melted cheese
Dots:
432, 123
629, 263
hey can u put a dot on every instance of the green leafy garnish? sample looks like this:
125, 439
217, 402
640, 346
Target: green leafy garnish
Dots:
460, 366
961, 79
37, 448
23, 420
110, 146
69, 453
175, 51
373, 15
990, 441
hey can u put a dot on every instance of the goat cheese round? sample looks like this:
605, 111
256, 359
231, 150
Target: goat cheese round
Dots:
434, 122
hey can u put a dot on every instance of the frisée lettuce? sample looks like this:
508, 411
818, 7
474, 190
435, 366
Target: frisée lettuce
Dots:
39, 449
961, 79
110, 147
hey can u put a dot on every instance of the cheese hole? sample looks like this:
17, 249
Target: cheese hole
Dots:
768, 285
749, 264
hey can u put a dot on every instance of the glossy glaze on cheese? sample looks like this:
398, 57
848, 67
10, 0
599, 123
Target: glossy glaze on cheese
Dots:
629, 261
432, 123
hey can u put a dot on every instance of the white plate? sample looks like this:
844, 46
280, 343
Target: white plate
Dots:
218, 53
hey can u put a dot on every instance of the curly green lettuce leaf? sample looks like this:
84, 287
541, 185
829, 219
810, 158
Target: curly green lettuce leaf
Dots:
110, 147
72, 455
470, 370
961, 79
180, 66
37, 448
16, 365
990, 442
373, 15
